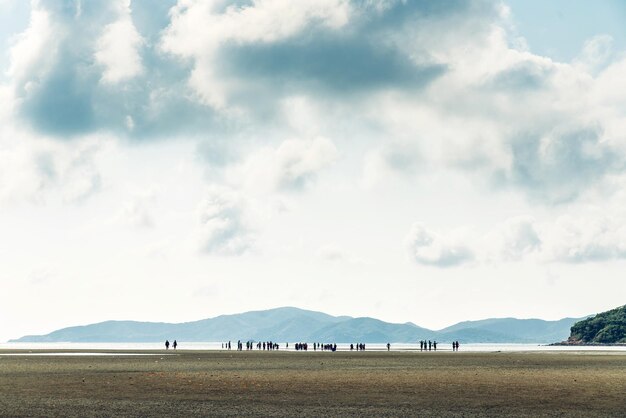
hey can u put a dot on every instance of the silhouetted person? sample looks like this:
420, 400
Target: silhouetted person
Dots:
388, 346
429, 345
174, 344
167, 344
435, 345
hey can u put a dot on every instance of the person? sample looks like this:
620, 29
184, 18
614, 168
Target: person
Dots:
175, 344
435, 345
388, 346
167, 344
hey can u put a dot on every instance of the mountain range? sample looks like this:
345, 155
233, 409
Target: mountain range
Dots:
294, 324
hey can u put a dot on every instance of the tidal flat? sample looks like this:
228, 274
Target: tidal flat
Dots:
313, 384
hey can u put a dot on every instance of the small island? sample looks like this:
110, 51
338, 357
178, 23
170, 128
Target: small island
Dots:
606, 328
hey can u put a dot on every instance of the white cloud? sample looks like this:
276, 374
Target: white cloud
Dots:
34, 50
291, 166
137, 212
595, 54
587, 239
118, 49
433, 249
198, 28
513, 240
40, 170
223, 227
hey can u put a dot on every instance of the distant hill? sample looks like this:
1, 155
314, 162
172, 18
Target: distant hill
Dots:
294, 324
605, 328
512, 329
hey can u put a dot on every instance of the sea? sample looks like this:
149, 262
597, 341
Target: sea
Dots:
182, 345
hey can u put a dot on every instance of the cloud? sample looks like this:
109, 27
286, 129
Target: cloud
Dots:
137, 211
223, 229
40, 170
85, 67
513, 240
275, 48
292, 166
596, 53
519, 120
579, 240
433, 249
585, 237
425, 83
556, 166
118, 49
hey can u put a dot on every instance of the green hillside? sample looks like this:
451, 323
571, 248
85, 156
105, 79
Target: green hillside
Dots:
604, 328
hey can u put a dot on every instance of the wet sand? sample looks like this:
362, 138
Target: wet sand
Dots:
377, 384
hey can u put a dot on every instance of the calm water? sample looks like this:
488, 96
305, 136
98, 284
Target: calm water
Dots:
341, 347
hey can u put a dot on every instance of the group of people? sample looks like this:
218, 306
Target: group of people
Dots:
428, 345
270, 345
303, 346
325, 347
359, 347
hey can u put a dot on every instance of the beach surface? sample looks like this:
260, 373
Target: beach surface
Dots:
311, 384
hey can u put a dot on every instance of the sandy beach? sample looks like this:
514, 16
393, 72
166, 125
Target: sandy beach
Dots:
256, 383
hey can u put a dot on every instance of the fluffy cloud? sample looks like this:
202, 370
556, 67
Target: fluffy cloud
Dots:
578, 240
41, 170
428, 83
433, 249
136, 212
223, 228
291, 166
117, 49
512, 240
593, 237
83, 67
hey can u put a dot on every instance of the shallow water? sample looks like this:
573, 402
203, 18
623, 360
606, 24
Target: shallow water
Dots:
341, 347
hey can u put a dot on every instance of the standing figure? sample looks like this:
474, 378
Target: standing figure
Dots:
388, 346
167, 344
174, 344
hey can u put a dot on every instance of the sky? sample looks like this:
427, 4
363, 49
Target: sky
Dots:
419, 161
